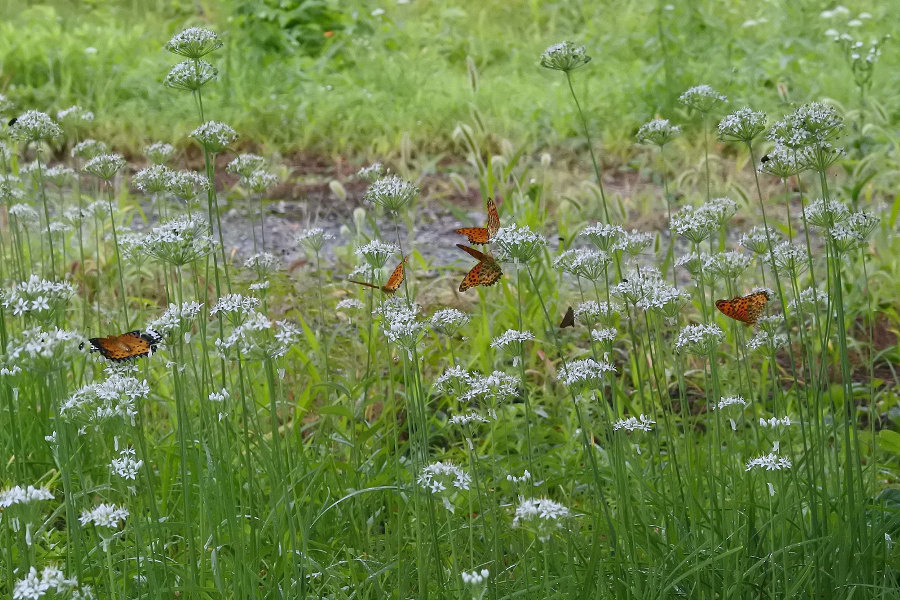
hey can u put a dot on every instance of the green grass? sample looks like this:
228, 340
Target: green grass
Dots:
284, 434
403, 75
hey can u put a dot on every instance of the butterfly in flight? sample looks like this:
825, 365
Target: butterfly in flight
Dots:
568, 319
393, 282
483, 235
486, 272
133, 344
745, 309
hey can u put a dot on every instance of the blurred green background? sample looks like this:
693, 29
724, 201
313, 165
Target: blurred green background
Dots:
365, 78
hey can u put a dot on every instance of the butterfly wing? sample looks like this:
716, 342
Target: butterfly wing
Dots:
472, 277
745, 309
568, 319
127, 346
490, 272
396, 278
756, 306
476, 235
493, 220
474, 253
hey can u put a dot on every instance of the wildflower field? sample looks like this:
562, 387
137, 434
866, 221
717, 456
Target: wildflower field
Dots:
642, 348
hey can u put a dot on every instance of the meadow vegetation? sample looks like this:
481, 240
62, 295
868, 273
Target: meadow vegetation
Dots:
702, 406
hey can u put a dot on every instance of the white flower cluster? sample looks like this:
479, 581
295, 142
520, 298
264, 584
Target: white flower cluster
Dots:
190, 75
400, 324
518, 244
24, 214
391, 193
448, 320
153, 179
51, 580
74, 115
105, 166
475, 577
114, 397
513, 338
695, 225
564, 56
769, 462
585, 372
783, 162
187, 185
774, 422
808, 125
194, 42
349, 303
700, 339
658, 132
179, 241
39, 350
126, 465
604, 335
542, 515
159, 153
604, 237
376, 253
254, 338
371, 173
263, 263
23, 495
497, 386
591, 312
34, 125
439, 476
588, 263
730, 401
314, 238
259, 181
89, 148
465, 419
37, 297
742, 125
702, 98
104, 515
641, 423
214, 136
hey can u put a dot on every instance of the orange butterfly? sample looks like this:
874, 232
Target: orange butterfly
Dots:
393, 282
486, 272
745, 309
133, 344
483, 235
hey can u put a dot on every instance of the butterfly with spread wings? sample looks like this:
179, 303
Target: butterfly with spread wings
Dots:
486, 272
127, 346
394, 281
483, 235
746, 309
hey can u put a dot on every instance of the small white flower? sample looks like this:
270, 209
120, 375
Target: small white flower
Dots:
104, 515
641, 423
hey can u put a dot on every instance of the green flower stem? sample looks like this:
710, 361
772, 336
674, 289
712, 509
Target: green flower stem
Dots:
120, 266
587, 134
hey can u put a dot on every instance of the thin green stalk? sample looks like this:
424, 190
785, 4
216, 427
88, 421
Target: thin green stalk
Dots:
587, 134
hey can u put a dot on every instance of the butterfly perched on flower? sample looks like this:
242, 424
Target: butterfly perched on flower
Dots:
568, 319
745, 309
486, 272
133, 344
483, 235
393, 282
